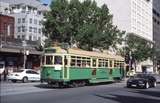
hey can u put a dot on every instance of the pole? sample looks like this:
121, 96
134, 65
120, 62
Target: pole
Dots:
130, 62
24, 60
24, 53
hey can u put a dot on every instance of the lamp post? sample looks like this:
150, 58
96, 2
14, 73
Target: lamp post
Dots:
24, 44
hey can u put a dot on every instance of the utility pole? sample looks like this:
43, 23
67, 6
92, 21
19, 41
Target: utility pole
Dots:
24, 44
130, 62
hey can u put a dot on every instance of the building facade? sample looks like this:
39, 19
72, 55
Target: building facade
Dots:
12, 51
4, 7
6, 27
21, 22
132, 16
28, 16
156, 30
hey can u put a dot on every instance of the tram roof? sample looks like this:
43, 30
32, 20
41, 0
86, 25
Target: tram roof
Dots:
93, 54
77, 51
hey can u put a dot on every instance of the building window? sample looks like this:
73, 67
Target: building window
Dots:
5, 28
23, 9
23, 28
30, 29
35, 21
30, 37
12, 28
39, 13
39, 30
19, 20
18, 36
158, 22
34, 38
39, 38
23, 20
19, 29
35, 30
30, 20
23, 37
39, 22
9, 30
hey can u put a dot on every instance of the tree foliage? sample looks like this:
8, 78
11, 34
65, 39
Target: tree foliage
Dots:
140, 48
83, 23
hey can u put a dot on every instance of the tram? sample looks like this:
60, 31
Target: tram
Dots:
75, 67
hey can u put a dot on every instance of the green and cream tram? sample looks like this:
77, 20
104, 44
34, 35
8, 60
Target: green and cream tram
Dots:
76, 67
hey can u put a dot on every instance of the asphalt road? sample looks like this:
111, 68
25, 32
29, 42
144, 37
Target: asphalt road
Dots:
106, 93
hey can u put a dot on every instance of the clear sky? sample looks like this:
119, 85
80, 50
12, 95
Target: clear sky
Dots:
46, 1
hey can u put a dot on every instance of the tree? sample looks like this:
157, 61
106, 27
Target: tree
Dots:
83, 23
140, 48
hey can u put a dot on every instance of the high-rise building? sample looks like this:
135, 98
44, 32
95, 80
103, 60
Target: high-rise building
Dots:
132, 16
28, 16
156, 29
156, 22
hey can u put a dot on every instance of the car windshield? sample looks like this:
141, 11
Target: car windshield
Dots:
19, 71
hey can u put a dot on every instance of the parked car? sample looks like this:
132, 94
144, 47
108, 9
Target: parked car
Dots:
142, 81
2, 67
24, 75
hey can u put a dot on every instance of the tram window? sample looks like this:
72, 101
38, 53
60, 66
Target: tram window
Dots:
118, 63
94, 62
73, 62
42, 61
100, 63
49, 60
78, 63
106, 63
65, 60
110, 63
88, 64
83, 63
57, 60
115, 63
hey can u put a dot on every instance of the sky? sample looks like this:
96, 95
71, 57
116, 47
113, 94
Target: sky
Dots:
46, 1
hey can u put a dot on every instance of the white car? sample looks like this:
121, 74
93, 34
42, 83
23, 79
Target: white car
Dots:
2, 67
24, 75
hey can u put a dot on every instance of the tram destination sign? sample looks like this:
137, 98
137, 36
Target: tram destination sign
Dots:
50, 50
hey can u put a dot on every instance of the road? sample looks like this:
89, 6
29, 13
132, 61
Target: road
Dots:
106, 93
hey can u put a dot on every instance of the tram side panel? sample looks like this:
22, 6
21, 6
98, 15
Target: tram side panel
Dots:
49, 74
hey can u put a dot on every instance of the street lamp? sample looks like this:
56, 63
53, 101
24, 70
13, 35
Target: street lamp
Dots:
24, 44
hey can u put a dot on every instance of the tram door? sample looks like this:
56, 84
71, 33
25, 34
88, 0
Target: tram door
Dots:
111, 69
94, 66
65, 67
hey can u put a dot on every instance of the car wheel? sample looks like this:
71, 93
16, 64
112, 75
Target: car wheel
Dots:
14, 81
147, 85
154, 84
25, 80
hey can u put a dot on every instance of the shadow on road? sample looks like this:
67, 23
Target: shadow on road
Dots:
128, 99
46, 86
57, 87
148, 93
